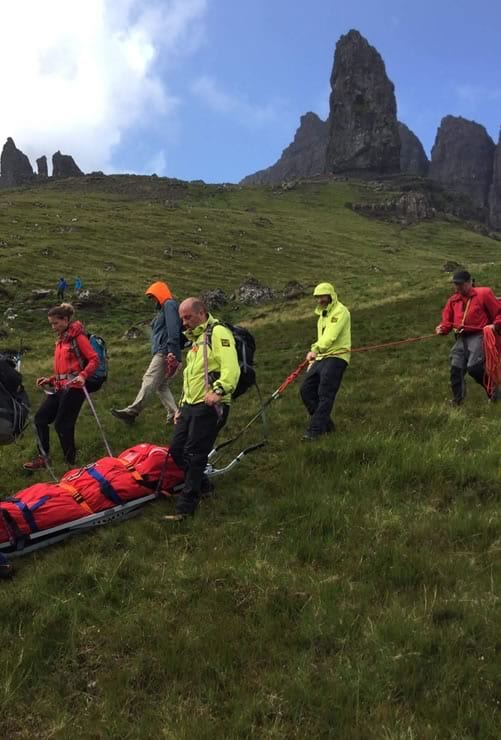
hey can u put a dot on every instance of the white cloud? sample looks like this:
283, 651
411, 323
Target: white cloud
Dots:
234, 105
77, 74
475, 94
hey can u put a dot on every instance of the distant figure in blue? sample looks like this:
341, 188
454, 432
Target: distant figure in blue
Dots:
61, 287
78, 285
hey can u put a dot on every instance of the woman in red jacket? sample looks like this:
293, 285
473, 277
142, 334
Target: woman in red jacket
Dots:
75, 361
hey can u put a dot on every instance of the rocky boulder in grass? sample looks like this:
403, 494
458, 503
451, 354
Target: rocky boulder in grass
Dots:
252, 291
39, 293
452, 266
99, 299
214, 299
294, 289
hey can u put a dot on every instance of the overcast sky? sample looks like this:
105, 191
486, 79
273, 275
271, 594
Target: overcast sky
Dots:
213, 89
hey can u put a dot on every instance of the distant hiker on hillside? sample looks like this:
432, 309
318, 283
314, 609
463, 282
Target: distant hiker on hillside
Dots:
329, 357
78, 285
61, 287
210, 377
166, 356
467, 312
64, 398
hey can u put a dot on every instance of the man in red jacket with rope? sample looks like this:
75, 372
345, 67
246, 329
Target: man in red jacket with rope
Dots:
467, 312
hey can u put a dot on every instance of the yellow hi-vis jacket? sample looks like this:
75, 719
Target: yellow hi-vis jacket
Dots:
222, 358
333, 327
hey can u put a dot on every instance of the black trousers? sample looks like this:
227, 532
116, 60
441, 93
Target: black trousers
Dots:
319, 390
61, 409
194, 437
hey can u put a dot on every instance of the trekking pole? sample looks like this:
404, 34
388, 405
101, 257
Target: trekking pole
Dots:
93, 409
19, 353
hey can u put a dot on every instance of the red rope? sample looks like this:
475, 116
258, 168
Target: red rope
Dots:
292, 377
369, 347
492, 347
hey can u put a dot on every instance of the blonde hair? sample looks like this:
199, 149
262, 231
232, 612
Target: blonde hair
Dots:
63, 311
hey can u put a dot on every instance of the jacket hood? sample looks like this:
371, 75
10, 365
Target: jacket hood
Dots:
160, 291
326, 289
74, 329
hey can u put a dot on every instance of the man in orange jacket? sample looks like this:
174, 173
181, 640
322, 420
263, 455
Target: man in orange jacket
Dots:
165, 348
467, 312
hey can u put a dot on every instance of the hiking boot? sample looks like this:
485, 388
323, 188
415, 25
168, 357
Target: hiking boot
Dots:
208, 488
5, 567
38, 463
124, 415
309, 437
456, 402
174, 517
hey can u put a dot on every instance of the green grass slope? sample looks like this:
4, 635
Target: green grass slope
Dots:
348, 588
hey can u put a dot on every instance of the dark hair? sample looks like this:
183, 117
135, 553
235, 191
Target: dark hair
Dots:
64, 311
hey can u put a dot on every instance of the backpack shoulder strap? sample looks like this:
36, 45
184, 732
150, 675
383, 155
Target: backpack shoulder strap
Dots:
76, 350
208, 332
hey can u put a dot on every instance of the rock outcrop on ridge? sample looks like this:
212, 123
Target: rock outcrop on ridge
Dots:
413, 159
363, 135
462, 158
42, 168
63, 165
303, 158
15, 167
495, 190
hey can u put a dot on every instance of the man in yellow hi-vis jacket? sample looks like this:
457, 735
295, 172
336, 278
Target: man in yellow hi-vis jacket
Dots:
210, 377
329, 357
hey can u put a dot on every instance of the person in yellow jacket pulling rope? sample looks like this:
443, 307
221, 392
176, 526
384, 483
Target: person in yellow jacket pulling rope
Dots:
328, 357
210, 377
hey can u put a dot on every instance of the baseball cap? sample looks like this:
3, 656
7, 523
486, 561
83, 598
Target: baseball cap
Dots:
461, 276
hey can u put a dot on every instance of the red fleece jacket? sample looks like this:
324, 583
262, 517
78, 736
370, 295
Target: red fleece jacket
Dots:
65, 358
481, 307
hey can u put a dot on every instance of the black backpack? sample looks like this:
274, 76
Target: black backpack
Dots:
246, 346
14, 403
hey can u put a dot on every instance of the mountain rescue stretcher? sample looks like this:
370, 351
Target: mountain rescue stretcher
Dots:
113, 489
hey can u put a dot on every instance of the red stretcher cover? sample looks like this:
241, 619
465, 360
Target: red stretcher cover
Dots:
106, 483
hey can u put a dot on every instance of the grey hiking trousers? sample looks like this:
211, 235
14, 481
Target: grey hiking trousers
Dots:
467, 356
154, 380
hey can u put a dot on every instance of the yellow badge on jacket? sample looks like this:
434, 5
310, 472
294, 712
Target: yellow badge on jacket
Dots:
334, 319
225, 342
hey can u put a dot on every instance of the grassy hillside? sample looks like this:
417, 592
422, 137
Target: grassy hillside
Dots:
348, 588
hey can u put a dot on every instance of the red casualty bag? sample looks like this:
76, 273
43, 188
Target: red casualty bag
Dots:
150, 462
39, 507
106, 483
